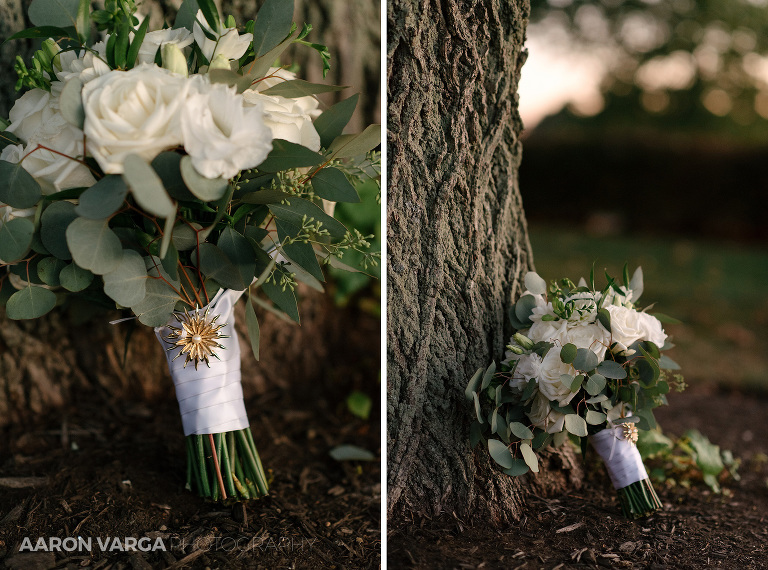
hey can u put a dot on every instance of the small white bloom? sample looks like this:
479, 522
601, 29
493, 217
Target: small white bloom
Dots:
153, 41
85, 65
221, 135
528, 367
276, 75
229, 42
583, 305
30, 114
629, 326
544, 417
286, 118
552, 368
133, 112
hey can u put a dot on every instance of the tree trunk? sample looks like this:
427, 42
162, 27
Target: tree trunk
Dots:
457, 248
46, 363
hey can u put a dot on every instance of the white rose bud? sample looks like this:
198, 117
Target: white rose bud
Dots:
219, 62
523, 341
174, 60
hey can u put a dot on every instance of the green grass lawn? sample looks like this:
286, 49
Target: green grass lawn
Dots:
719, 291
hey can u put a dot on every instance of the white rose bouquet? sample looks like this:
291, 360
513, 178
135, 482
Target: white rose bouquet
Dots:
169, 173
585, 364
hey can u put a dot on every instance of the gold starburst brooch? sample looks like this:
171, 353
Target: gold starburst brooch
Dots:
197, 336
630, 432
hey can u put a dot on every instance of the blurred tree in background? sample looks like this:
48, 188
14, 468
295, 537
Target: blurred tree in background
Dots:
699, 65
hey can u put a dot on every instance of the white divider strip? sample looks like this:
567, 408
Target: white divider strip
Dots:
210, 399
622, 460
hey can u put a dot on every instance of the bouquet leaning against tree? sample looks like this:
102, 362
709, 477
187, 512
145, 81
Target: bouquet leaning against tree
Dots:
172, 172
585, 364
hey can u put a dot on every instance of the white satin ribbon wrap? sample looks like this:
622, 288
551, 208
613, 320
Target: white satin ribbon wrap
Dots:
210, 399
622, 460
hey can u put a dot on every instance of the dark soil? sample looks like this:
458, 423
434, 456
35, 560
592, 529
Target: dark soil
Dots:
585, 529
105, 468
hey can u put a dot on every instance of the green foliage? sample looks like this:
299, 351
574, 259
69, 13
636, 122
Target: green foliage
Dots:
359, 404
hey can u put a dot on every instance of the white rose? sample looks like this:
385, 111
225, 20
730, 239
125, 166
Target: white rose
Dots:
133, 112
30, 113
286, 118
549, 378
544, 417
623, 299
181, 38
629, 326
309, 105
53, 151
229, 42
591, 336
221, 135
542, 308
549, 331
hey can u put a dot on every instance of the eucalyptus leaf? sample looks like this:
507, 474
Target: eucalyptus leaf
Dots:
473, 384
585, 360
59, 13
529, 457
238, 250
71, 103
184, 237
286, 155
18, 188
611, 369
330, 124
266, 196
127, 284
295, 88
216, 264
15, 239
298, 208
285, 299
252, 323
666, 363
43, 32
157, 306
604, 317
94, 245
54, 222
500, 453
520, 431
30, 303
74, 278
488, 375
568, 353
524, 307
332, 184
576, 425
595, 384
519, 467
595, 418
147, 187
103, 198
535, 284
272, 25
185, 17
49, 269
167, 165
478, 411
299, 253
347, 146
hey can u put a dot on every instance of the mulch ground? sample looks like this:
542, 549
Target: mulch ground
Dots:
585, 529
104, 469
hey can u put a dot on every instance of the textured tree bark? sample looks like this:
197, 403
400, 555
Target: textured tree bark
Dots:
457, 248
45, 364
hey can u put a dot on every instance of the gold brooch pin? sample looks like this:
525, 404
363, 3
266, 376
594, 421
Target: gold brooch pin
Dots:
630, 432
197, 336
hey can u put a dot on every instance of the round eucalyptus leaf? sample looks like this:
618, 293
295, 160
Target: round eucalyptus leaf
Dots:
127, 284
184, 237
568, 353
15, 239
103, 198
500, 453
157, 306
168, 168
576, 425
520, 430
94, 245
585, 360
595, 384
49, 270
611, 369
529, 457
519, 467
535, 284
595, 418
206, 189
332, 184
53, 226
74, 278
18, 188
30, 303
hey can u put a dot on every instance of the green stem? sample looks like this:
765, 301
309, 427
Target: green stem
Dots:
251, 462
206, 491
240, 481
262, 476
225, 463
